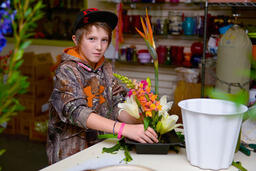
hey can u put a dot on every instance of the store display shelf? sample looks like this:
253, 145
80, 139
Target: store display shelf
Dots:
159, 37
159, 5
233, 4
46, 42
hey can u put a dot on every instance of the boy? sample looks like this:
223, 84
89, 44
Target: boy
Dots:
84, 100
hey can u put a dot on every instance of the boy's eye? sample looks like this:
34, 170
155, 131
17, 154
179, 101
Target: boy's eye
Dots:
91, 38
105, 40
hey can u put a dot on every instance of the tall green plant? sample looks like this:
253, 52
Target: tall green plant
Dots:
13, 83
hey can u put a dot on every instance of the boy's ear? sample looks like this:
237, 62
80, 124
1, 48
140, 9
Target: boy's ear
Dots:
74, 39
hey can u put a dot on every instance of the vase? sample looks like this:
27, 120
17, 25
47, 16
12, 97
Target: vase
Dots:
211, 129
169, 139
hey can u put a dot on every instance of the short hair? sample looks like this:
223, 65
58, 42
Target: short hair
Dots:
87, 28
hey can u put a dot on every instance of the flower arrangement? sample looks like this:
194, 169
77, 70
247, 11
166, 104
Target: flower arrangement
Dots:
142, 103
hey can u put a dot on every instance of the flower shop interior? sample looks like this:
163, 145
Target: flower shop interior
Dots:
194, 56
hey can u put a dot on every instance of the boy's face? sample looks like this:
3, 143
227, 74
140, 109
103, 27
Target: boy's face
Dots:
93, 45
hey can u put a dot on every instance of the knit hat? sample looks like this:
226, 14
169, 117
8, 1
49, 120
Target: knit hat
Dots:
94, 15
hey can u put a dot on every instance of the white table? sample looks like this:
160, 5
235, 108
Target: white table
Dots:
94, 157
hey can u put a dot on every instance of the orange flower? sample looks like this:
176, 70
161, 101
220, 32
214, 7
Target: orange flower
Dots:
148, 33
153, 97
152, 106
148, 89
149, 113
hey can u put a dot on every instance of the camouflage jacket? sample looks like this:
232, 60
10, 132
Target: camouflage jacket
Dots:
78, 91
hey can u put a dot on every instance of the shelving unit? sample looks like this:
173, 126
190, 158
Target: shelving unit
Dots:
200, 8
212, 3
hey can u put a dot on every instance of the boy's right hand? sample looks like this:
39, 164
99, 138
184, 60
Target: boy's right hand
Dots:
136, 132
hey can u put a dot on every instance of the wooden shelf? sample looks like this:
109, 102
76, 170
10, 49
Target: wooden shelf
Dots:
159, 37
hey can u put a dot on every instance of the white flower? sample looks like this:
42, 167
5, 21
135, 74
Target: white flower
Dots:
167, 124
165, 106
130, 106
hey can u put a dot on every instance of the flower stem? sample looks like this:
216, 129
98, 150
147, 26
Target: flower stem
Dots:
156, 75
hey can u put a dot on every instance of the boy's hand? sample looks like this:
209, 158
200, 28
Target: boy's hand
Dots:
136, 132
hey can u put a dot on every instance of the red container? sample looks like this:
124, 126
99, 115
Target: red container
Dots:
161, 53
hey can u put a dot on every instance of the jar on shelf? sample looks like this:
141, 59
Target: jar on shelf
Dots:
189, 26
144, 56
175, 22
161, 54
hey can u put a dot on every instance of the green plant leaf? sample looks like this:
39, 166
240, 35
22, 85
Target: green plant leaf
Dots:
25, 44
27, 13
127, 154
103, 136
2, 151
18, 64
112, 150
239, 166
19, 54
146, 122
1, 129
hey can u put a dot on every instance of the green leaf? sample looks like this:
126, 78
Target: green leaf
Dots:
25, 44
18, 64
19, 54
148, 81
251, 113
103, 136
127, 154
112, 149
27, 13
240, 97
159, 127
239, 166
146, 123
2, 151
1, 129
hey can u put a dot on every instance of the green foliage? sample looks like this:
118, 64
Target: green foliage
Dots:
146, 121
12, 81
120, 145
240, 97
125, 80
239, 166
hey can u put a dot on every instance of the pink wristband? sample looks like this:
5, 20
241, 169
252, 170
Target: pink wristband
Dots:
119, 136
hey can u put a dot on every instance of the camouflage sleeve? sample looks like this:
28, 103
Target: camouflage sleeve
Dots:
119, 93
68, 97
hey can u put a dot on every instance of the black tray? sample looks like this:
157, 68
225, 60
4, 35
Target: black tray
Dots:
171, 139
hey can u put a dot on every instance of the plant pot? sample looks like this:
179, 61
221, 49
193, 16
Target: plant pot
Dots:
211, 129
170, 139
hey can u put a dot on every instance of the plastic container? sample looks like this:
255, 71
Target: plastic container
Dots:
144, 56
211, 129
234, 52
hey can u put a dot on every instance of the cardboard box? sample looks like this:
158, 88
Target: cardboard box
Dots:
24, 126
37, 67
34, 107
40, 88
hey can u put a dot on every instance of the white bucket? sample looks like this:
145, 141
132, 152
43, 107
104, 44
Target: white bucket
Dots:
211, 129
